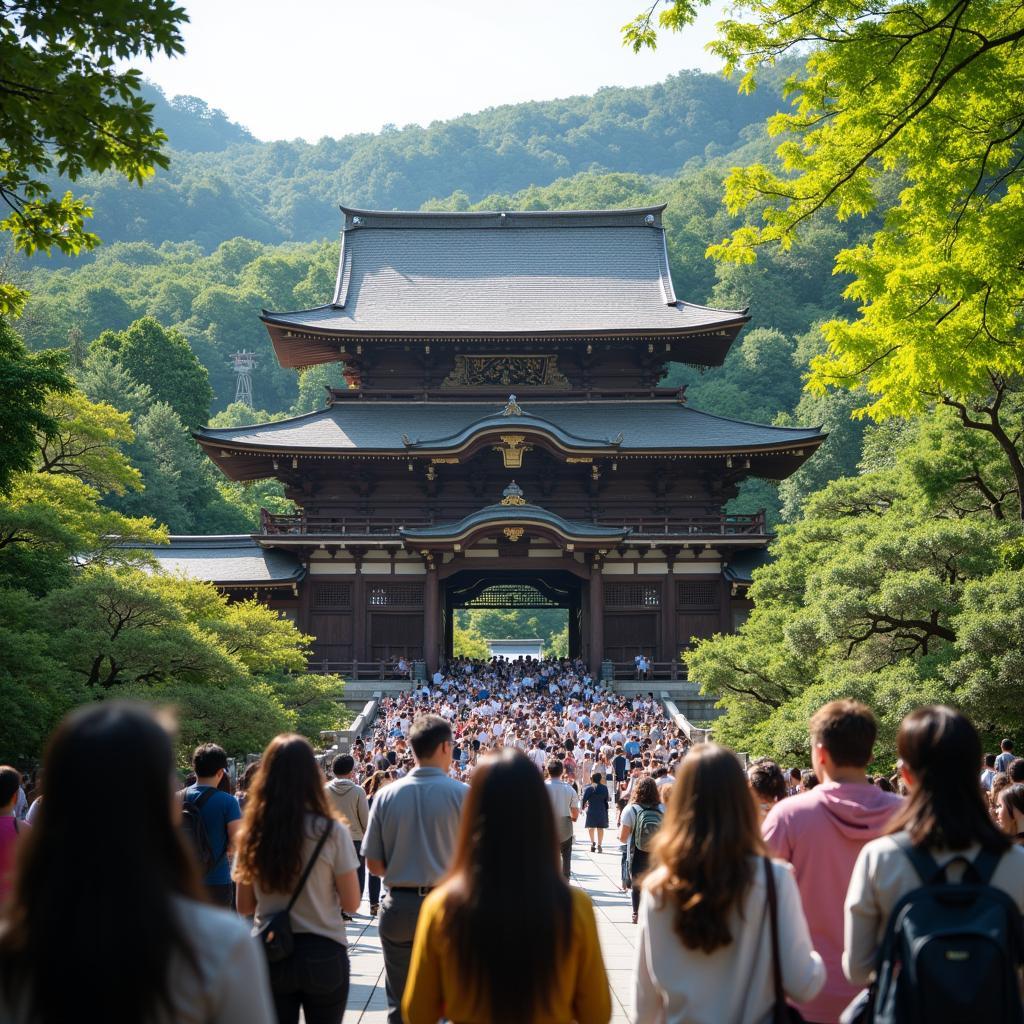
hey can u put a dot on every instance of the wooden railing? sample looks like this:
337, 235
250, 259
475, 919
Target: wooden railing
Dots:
625, 671
355, 670
304, 524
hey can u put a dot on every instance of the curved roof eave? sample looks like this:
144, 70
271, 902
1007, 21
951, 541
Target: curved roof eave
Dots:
501, 421
515, 515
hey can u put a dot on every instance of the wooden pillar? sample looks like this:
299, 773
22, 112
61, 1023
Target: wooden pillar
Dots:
669, 620
575, 638
596, 616
431, 618
359, 614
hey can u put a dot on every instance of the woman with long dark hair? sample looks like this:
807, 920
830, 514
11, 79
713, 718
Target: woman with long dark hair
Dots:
503, 939
288, 826
945, 816
106, 921
704, 949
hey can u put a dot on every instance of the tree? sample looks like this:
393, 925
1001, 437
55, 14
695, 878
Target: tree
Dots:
915, 107
86, 442
469, 642
68, 104
163, 361
26, 380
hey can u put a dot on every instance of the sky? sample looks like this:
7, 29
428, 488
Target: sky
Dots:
291, 69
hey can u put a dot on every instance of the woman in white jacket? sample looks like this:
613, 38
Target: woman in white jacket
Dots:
704, 954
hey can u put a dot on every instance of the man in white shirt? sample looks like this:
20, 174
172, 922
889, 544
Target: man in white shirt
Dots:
566, 806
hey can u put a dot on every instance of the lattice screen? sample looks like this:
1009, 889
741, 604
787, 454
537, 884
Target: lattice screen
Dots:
511, 595
396, 595
333, 595
697, 594
632, 595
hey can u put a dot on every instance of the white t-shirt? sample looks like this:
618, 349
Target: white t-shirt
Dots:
563, 800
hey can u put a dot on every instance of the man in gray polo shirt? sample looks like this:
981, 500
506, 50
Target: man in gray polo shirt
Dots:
409, 842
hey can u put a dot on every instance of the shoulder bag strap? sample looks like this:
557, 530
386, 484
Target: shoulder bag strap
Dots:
779, 1011
309, 867
203, 798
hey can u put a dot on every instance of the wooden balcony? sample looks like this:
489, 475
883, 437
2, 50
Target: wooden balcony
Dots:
687, 528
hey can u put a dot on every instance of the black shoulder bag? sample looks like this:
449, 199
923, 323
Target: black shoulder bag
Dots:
782, 1012
276, 935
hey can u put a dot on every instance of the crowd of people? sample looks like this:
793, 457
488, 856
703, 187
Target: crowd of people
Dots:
227, 903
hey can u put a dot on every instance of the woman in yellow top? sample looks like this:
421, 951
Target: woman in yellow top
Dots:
504, 940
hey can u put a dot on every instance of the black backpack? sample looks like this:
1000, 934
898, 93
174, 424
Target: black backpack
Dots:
951, 951
196, 835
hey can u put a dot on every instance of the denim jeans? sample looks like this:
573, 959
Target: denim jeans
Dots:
314, 979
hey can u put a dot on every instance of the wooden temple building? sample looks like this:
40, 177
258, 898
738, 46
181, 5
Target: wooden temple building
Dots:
503, 442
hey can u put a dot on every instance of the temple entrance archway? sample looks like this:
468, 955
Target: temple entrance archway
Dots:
512, 589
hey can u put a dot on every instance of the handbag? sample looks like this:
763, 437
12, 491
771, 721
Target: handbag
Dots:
782, 1012
276, 936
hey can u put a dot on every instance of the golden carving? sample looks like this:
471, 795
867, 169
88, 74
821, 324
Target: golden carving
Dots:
445, 462
513, 533
513, 449
505, 371
582, 459
513, 499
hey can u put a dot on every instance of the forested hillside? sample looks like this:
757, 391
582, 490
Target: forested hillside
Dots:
222, 183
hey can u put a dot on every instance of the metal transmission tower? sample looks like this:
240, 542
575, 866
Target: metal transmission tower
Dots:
243, 364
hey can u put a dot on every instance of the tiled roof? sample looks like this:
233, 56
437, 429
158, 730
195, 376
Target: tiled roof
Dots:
505, 273
743, 563
410, 426
231, 558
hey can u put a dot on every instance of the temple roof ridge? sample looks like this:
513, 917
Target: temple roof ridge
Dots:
533, 273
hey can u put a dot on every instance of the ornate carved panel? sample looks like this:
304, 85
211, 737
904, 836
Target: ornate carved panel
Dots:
505, 371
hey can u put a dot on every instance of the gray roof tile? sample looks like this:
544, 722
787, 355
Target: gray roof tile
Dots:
380, 426
515, 273
232, 558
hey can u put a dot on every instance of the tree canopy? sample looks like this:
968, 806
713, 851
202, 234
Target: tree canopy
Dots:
68, 105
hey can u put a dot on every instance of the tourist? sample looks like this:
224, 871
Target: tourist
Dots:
821, 833
641, 821
295, 856
107, 920
1006, 755
1015, 770
349, 800
595, 802
409, 842
565, 805
808, 780
245, 780
374, 784
944, 816
221, 818
794, 786
767, 783
11, 828
988, 772
999, 782
504, 939
1011, 811
704, 950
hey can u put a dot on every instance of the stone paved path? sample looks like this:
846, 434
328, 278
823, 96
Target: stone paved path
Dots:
597, 873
